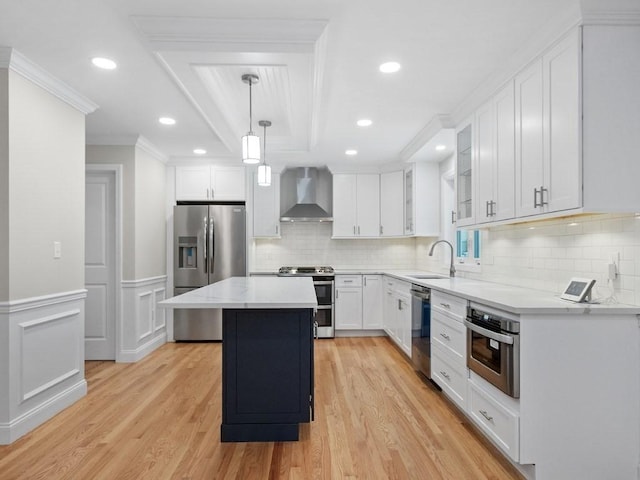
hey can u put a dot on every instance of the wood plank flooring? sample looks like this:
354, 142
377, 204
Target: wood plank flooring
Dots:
160, 419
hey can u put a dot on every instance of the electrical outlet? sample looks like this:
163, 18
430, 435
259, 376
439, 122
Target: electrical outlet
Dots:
57, 250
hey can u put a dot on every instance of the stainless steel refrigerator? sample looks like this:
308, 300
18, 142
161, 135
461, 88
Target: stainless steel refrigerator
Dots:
209, 246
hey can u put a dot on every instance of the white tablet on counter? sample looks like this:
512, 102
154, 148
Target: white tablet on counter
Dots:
578, 290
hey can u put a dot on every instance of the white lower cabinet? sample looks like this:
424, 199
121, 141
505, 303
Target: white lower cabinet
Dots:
372, 297
495, 419
397, 313
358, 302
448, 346
447, 372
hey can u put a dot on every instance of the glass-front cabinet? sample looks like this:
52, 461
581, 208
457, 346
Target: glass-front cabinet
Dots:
464, 176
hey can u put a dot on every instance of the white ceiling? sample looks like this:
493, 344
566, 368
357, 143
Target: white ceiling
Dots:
317, 61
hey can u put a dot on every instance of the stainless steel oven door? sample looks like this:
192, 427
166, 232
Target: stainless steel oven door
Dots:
324, 291
495, 357
324, 321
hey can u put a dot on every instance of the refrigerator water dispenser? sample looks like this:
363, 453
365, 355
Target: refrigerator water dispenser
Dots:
187, 252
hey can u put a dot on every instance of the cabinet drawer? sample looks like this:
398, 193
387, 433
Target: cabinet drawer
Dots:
495, 420
451, 376
348, 280
449, 303
450, 334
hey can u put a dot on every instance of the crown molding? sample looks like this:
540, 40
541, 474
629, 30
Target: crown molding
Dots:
11, 59
437, 123
618, 18
145, 145
229, 34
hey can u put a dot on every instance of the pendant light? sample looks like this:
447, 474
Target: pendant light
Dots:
250, 142
264, 170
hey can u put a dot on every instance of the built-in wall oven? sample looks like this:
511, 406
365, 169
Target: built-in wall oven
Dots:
493, 347
323, 281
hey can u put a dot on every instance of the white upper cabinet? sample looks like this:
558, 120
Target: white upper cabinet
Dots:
210, 183
356, 205
391, 204
227, 183
465, 174
193, 183
495, 160
422, 200
547, 127
266, 208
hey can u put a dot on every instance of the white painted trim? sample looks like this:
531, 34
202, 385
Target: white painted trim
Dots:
170, 33
319, 57
145, 145
148, 319
11, 431
616, 17
143, 282
23, 304
12, 59
131, 356
118, 170
437, 123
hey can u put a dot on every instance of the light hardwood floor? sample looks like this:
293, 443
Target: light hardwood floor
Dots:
160, 419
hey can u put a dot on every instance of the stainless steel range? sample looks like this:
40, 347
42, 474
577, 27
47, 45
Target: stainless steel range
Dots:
323, 278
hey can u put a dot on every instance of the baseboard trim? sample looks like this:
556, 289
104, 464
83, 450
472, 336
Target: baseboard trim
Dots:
10, 432
132, 356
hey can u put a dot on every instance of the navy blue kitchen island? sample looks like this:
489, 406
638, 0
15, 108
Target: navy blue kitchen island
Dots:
267, 354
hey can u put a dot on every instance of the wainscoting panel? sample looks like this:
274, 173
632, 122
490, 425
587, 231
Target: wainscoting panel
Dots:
143, 324
42, 361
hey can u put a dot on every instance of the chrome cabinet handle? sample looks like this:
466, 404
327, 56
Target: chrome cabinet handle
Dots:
348, 281
315, 329
276, 229
453, 216
445, 336
381, 229
535, 198
358, 229
354, 229
445, 375
542, 200
486, 209
365, 281
445, 305
486, 415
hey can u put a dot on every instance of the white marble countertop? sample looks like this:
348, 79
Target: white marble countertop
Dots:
518, 300
249, 292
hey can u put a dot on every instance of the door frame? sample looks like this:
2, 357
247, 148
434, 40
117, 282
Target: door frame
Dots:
117, 170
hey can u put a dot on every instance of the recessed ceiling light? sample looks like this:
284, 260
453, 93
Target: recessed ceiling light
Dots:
441, 147
390, 67
167, 121
532, 228
104, 63
199, 151
573, 224
351, 152
364, 122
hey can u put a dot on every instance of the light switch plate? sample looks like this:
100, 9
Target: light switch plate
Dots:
57, 250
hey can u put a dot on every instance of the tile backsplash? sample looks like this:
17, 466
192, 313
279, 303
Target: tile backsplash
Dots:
544, 255
541, 255
311, 244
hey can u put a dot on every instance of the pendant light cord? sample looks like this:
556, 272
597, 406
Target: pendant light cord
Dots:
264, 146
250, 110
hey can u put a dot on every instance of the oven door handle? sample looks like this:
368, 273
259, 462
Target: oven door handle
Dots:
488, 333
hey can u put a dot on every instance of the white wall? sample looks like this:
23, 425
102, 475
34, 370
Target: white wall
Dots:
144, 215
122, 155
311, 244
46, 191
4, 185
150, 233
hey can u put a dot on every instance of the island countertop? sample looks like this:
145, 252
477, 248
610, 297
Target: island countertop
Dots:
249, 292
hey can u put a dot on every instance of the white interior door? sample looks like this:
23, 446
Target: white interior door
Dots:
100, 247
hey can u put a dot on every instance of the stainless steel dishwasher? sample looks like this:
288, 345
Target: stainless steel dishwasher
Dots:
421, 329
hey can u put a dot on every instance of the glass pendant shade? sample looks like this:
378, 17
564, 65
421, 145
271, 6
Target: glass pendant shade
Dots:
264, 175
251, 148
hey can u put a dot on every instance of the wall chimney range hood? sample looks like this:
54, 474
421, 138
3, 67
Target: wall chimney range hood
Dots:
306, 195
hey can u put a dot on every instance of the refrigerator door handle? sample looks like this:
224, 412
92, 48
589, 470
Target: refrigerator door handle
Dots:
206, 243
213, 243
